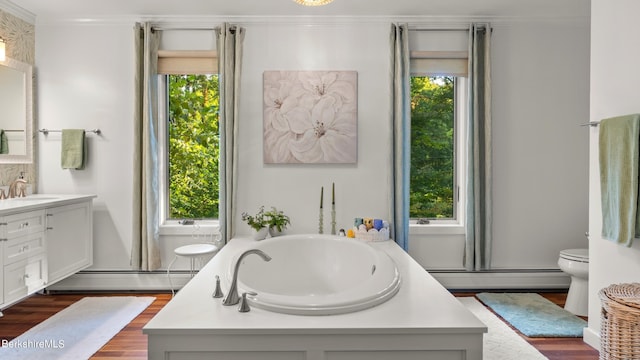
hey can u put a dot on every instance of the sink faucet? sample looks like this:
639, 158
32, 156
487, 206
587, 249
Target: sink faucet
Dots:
233, 297
17, 188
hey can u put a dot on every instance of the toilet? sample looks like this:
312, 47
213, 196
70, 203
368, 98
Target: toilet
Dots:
575, 263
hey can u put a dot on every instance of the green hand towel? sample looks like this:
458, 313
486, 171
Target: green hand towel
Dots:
4, 143
72, 156
619, 154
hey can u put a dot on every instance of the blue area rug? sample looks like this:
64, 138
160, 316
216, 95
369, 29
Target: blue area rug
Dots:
533, 315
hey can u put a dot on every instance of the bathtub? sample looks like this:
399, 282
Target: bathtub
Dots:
317, 275
421, 321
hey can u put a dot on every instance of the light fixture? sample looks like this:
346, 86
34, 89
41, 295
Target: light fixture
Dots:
313, 2
2, 50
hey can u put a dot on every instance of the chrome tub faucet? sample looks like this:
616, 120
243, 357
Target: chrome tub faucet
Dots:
232, 297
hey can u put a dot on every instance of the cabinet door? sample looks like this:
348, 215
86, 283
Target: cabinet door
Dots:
69, 237
15, 285
24, 277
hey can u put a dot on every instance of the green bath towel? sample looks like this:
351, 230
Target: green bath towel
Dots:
619, 155
4, 143
72, 156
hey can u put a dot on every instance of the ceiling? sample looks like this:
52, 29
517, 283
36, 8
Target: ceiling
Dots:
242, 8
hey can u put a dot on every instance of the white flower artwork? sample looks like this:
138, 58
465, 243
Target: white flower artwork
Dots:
310, 117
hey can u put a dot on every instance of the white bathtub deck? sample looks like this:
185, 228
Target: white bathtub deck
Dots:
422, 321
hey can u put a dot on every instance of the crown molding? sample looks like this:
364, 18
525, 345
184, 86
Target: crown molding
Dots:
208, 21
17, 11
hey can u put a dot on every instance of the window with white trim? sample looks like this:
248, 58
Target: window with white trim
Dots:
188, 136
438, 108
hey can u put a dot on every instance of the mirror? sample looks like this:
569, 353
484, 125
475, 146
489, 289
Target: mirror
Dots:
16, 114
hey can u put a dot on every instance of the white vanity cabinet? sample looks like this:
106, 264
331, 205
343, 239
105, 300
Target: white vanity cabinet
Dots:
69, 227
24, 261
43, 239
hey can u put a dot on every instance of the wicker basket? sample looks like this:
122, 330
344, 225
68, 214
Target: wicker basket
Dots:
620, 322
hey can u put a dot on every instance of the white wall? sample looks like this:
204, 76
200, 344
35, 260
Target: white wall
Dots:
85, 80
540, 96
360, 188
614, 87
540, 91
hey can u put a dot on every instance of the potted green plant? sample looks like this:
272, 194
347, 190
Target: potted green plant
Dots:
271, 222
277, 221
257, 222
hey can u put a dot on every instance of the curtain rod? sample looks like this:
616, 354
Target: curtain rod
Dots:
180, 28
439, 29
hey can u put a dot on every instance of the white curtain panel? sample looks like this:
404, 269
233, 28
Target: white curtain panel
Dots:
145, 250
229, 42
479, 204
400, 134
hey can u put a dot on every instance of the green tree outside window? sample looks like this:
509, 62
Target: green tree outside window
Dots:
194, 146
432, 182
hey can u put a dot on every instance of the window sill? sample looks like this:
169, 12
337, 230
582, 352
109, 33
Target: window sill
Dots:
436, 229
200, 227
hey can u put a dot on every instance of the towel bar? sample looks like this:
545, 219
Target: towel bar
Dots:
591, 123
47, 131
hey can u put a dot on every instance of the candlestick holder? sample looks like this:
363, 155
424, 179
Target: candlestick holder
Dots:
333, 219
320, 225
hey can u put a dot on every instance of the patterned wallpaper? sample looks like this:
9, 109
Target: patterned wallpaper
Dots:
20, 40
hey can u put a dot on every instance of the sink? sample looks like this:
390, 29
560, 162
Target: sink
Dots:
32, 198
29, 200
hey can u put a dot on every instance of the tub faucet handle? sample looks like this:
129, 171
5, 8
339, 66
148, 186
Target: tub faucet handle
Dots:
217, 293
244, 304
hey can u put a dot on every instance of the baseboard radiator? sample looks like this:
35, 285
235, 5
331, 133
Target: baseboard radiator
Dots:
508, 279
128, 280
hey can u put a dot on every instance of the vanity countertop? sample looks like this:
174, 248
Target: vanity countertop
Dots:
38, 201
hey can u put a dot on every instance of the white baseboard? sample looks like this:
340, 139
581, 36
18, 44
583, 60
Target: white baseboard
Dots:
591, 337
149, 281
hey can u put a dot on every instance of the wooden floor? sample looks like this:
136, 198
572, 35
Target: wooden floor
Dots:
131, 343
558, 348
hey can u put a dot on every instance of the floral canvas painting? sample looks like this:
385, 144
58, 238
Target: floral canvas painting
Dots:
310, 117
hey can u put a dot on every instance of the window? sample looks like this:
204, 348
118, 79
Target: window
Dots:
188, 139
193, 147
433, 184
438, 98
